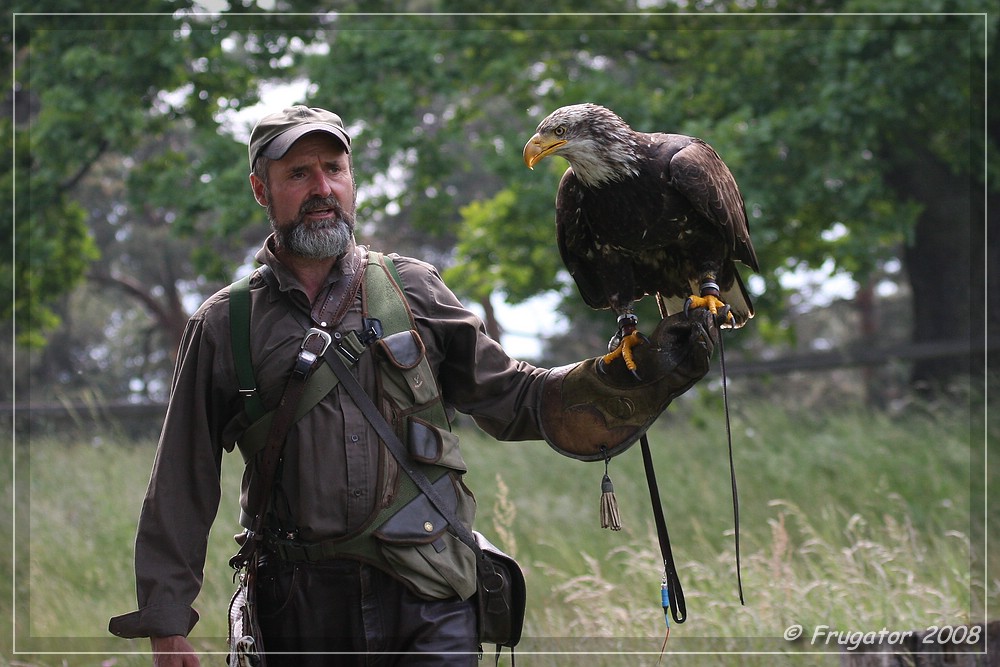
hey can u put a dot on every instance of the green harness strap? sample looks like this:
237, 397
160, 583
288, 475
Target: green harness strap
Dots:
383, 299
383, 295
239, 329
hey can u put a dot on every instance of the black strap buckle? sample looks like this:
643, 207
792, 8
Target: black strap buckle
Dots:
372, 331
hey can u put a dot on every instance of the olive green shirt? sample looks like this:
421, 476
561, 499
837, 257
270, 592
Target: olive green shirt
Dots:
335, 470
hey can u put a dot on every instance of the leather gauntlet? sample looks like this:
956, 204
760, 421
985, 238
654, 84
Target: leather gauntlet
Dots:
590, 411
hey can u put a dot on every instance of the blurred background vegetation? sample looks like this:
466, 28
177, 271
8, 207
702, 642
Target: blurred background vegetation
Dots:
857, 130
861, 142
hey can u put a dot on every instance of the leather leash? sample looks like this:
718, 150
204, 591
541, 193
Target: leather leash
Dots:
678, 608
732, 469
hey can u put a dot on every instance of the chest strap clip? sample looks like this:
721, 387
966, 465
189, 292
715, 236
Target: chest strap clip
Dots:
353, 344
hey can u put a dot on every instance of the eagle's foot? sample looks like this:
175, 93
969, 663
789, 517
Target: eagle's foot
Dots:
714, 304
622, 343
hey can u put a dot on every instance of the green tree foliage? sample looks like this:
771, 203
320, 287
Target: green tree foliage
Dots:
54, 260
855, 136
120, 153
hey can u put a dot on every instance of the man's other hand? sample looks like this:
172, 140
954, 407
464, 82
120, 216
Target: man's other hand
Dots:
173, 651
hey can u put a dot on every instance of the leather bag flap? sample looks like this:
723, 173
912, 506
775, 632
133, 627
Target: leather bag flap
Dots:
403, 349
419, 521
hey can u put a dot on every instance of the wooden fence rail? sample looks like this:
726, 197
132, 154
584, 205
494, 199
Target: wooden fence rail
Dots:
846, 357
858, 355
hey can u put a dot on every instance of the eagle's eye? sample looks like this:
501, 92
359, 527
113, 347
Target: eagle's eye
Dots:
559, 131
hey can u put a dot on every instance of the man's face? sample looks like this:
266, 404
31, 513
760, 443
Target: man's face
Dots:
310, 197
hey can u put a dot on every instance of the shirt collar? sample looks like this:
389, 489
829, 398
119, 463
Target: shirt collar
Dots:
287, 280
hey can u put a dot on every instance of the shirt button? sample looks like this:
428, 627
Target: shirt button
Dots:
354, 437
357, 493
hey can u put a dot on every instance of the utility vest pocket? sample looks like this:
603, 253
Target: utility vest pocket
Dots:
411, 381
429, 444
408, 383
415, 540
417, 544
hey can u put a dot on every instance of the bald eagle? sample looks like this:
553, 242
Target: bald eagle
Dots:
645, 213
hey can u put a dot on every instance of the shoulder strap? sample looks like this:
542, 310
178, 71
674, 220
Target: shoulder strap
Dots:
391, 265
384, 299
239, 331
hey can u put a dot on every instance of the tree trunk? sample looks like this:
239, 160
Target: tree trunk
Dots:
493, 328
946, 264
168, 313
864, 301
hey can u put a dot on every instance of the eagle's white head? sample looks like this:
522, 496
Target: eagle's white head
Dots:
598, 144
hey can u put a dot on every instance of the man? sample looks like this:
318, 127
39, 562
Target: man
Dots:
378, 605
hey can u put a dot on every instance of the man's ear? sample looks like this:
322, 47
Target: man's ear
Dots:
259, 190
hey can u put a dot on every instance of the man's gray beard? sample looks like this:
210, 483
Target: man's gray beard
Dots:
322, 240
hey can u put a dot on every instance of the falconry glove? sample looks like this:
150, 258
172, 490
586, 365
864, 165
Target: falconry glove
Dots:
592, 411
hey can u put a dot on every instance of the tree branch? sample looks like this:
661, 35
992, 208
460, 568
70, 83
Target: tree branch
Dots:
134, 288
85, 167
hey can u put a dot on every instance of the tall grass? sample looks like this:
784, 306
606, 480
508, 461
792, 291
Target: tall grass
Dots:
856, 520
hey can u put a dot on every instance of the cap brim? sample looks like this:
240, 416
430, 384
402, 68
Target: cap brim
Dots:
277, 147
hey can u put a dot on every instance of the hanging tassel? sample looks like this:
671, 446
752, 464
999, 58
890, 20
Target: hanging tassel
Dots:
610, 517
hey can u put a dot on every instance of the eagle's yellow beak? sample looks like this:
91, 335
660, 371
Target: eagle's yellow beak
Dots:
537, 149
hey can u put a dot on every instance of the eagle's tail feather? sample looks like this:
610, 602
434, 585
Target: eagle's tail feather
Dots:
670, 304
738, 300
736, 297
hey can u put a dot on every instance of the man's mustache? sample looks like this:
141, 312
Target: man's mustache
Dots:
319, 203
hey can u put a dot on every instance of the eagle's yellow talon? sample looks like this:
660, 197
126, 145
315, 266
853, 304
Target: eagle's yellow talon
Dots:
713, 303
624, 350
612, 355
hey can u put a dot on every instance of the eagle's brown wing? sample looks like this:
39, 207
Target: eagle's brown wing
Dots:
704, 179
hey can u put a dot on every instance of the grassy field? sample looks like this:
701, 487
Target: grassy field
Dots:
853, 521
